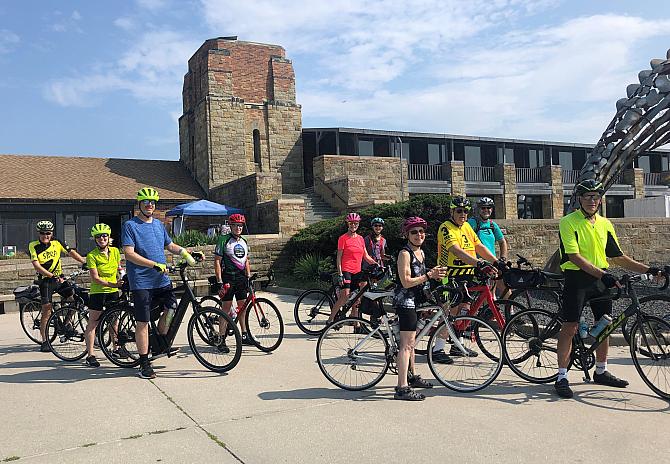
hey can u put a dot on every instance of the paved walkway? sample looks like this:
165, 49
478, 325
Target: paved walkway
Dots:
278, 408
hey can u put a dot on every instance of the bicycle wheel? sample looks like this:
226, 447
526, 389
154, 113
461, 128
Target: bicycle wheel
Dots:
209, 302
119, 324
535, 298
217, 352
311, 311
650, 350
350, 360
658, 305
471, 369
65, 333
530, 342
264, 324
31, 314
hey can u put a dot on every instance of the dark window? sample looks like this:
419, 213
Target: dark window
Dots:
308, 153
257, 146
347, 144
614, 206
418, 152
529, 206
489, 155
327, 144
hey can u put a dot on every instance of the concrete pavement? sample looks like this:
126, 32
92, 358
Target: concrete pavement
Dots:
278, 408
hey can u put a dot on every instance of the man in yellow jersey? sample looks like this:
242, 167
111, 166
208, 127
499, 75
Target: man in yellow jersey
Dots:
587, 241
45, 256
457, 250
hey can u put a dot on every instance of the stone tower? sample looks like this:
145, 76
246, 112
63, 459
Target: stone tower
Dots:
240, 115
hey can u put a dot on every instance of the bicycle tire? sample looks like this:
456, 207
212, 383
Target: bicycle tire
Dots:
211, 355
535, 298
120, 323
660, 299
311, 311
30, 314
333, 355
460, 376
264, 324
208, 302
65, 333
650, 345
532, 335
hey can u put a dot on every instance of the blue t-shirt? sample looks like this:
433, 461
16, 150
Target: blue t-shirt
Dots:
489, 233
149, 240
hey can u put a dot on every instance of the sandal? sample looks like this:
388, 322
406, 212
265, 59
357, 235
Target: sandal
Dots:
407, 394
416, 381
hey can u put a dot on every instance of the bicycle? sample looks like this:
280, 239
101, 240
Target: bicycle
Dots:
313, 306
531, 337
263, 320
212, 349
533, 287
358, 359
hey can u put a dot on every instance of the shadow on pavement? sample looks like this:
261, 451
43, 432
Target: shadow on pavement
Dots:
54, 371
323, 393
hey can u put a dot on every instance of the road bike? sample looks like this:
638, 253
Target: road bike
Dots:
313, 306
530, 342
263, 320
355, 359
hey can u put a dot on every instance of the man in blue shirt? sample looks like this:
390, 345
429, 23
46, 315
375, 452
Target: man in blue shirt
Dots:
489, 232
144, 240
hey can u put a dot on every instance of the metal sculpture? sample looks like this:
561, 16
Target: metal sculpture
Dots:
642, 123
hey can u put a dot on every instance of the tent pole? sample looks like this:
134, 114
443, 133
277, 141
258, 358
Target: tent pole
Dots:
181, 224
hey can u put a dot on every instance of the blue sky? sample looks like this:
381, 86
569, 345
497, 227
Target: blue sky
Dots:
89, 78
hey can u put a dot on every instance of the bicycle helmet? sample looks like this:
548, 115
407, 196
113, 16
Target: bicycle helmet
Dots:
411, 222
100, 229
485, 202
353, 217
460, 202
237, 219
147, 193
377, 220
589, 185
45, 226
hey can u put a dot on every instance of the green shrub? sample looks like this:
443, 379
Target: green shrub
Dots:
309, 266
194, 238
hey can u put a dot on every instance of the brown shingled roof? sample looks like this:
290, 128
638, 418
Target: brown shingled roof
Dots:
27, 177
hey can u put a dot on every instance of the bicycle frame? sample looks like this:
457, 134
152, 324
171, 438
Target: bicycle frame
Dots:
484, 294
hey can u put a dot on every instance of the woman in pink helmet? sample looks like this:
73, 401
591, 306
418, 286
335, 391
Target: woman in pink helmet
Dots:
350, 254
408, 296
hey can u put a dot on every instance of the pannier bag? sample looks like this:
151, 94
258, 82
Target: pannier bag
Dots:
26, 293
521, 278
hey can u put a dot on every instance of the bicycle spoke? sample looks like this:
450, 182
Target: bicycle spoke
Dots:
650, 350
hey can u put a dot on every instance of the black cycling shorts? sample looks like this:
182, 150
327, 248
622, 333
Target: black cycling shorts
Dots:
49, 286
579, 288
100, 301
407, 319
350, 280
145, 300
239, 287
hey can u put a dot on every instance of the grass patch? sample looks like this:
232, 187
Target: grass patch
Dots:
158, 432
86, 445
132, 437
215, 439
11, 458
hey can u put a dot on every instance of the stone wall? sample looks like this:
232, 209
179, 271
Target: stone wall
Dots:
635, 177
552, 205
281, 216
248, 191
506, 174
457, 177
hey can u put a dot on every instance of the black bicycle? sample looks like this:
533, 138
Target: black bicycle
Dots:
530, 342
218, 352
532, 287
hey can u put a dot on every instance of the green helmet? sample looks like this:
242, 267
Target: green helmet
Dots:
460, 202
589, 185
100, 229
377, 220
45, 226
147, 193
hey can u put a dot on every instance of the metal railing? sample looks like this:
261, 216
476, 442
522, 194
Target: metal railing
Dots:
528, 175
479, 173
570, 176
428, 172
652, 178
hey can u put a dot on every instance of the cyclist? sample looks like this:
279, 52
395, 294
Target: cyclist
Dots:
375, 244
408, 296
489, 233
350, 254
231, 266
586, 242
143, 239
45, 256
457, 250
103, 265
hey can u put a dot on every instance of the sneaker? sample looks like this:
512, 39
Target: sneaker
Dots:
120, 353
44, 347
606, 378
246, 340
147, 372
416, 381
563, 389
92, 362
407, 394
223, 348
454, 351
441, 357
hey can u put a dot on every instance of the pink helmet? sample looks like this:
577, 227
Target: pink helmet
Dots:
411, 222
353, 217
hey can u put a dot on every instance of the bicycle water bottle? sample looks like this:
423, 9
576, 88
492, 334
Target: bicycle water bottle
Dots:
169, 316
583, 327
601, 325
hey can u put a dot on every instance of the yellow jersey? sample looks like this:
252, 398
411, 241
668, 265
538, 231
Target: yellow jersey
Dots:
450, 234
48, 255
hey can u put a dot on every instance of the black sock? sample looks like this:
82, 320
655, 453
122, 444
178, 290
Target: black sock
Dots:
144, 359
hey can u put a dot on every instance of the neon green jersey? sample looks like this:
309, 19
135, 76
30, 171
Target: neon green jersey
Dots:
107, 268
595, 242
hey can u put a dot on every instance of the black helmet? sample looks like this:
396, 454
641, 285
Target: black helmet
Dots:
459, 202
485, 201
589, 185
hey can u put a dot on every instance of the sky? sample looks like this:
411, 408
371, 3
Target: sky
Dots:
91, 78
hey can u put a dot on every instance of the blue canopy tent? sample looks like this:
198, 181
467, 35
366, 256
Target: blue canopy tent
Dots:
201, 208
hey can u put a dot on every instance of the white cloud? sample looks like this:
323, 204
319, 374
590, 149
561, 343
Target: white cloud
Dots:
126, 23
64, 24
8, 40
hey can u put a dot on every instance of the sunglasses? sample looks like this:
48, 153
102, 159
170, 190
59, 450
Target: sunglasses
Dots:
148, 202
461, 211
416, 232
352, 223
45, 233
591, 197
102, 236
378, 225
485, 207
